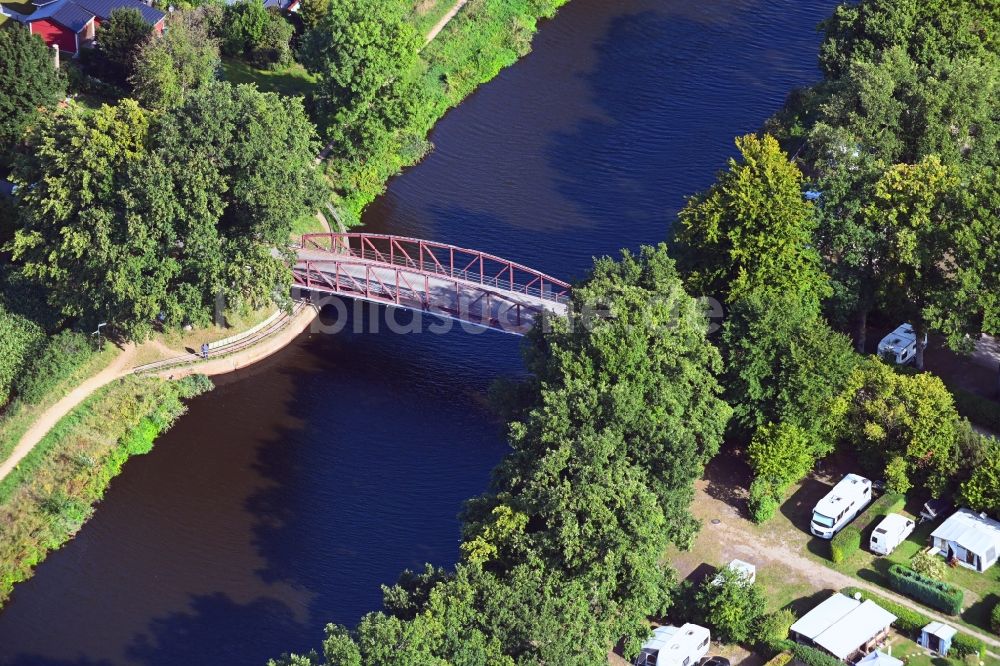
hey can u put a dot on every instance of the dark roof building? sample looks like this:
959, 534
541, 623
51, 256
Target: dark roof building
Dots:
68, 23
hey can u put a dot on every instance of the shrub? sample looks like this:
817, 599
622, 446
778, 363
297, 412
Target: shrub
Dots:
844, 543
64, 353
995, 618
810, 656
963, 645
763, 500
774, 627
780, 659
934, 593
927, 564
882, 507
20, 338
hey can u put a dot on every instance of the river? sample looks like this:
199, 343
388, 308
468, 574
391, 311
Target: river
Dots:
290, 493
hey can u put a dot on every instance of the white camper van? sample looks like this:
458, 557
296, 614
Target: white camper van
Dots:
840, 505
675, 646
900, 346
889, 533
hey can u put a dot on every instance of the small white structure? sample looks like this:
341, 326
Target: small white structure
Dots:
844, 627
889, 533
840, 505
972, 539
900, 346
937, 637
746, 571
675, 646
879, 658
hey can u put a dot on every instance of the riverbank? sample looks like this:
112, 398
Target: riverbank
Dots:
51, 493
481, 38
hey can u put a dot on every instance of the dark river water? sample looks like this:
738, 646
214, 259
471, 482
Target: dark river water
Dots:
289, 494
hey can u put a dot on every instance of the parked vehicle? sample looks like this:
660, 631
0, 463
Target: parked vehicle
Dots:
675, 646
840, 506
934, 509
889, 533
900, 346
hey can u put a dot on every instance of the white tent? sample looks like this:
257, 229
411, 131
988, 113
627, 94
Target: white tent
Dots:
972, 539
843, 626
879, 658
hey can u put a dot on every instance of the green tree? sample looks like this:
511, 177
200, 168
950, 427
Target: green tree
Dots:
981, 491
930, 565
120, 38
243, 26
888, 415
366, 55
186, 57
779, 456
134, 218
731, 605
752, 229
273, 49
313, 12
785, 365
22, 338
28, 82
897, 476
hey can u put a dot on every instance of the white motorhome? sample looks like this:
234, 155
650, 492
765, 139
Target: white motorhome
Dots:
675, 646
900, 346
840, 505
889, 533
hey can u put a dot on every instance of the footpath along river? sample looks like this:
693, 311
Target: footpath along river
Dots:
285, 497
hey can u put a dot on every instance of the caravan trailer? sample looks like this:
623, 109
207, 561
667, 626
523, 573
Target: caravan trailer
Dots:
675, 646
900, 346
840, 505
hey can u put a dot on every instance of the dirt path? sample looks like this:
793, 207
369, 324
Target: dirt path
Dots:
120, 366
439, 26
727, 535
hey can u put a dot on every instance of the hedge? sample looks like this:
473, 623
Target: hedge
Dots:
781, 659
909, 621
844, 543
995, 618
880, 508
962, 645
934, 593
810, 656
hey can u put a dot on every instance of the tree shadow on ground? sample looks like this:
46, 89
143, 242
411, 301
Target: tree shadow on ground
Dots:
803, 605
728, 478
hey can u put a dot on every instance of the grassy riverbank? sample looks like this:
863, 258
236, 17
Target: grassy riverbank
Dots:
484, 37
49, 496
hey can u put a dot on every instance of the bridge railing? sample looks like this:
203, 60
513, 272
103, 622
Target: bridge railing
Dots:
451, 261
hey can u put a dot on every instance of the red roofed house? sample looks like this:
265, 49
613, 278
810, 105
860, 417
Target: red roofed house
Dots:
71, 23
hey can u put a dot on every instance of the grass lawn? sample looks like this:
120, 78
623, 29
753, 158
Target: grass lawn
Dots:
913, 655
292, 80
307, 224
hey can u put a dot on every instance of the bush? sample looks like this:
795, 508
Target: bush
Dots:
927, 564
774, 628
780, 659
964, 645
995, 618
934, 593
882, 507
20, 338
62, 355
730, 605
811, 656
845, 543
763, 500
897, 478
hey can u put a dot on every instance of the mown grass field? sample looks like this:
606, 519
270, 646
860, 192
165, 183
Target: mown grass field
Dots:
292, 80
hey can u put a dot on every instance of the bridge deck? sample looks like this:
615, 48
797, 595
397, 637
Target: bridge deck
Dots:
351, 265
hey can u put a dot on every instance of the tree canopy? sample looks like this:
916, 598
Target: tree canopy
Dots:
186, 57
135, 218
365, 52
29, 81
752, 229
120, 38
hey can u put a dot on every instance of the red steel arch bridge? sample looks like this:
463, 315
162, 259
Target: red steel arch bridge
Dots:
445, 280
